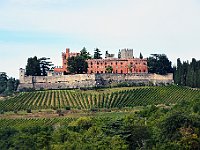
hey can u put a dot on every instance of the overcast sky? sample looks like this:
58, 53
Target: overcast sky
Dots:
47, 27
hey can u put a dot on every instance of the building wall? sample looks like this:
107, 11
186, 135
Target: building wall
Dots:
122, 66
87, 80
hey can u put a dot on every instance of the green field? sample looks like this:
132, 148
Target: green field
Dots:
103, 98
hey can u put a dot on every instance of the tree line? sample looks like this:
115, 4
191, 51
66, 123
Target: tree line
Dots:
7, 85
187, 73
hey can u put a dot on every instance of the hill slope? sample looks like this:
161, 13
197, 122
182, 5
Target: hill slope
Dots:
106, 98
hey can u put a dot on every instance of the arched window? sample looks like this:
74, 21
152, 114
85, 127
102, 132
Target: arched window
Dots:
121, 71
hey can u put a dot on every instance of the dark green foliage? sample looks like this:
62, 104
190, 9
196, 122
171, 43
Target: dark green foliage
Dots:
187, 73
7, 85
38, 67
3, 81
141, 56
28, 110
67, 108
45, 65
85, 54
33, 67
77, 65
97, 54
160, 64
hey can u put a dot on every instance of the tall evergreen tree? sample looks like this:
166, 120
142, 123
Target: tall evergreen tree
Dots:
187, 73
85, 54
3, 81
141, 56
97, 54
33, 67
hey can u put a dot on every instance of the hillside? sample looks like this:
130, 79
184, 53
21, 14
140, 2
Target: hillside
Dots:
103, 98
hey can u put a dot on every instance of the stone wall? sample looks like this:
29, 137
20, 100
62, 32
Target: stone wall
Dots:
89, 80
104, 79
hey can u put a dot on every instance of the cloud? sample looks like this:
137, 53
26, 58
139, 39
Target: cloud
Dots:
149, 26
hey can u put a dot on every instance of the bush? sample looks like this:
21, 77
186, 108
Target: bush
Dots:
1, 111
94, 109
67, 108
28, 111
59, 112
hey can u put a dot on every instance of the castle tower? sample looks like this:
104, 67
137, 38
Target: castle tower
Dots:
21, 75
127, 53
67, 53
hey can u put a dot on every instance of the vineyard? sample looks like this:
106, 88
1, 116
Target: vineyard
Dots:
21, 123
77, 99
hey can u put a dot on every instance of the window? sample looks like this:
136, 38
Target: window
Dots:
101, 71
116, 63
121, 71
97, 71
91, 63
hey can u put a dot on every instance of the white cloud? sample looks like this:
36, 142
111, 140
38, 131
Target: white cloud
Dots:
149, 26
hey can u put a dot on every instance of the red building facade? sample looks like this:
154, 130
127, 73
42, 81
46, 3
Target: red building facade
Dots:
119, 65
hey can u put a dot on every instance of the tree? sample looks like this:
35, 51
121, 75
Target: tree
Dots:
12, 85
38, 67
85, 54
7, 85
77, 65
33, 67
97, 54
45, 65
109, 69
141, 56
160, 64
3, 82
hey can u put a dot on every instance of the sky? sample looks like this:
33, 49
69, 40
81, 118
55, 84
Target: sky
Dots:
45, 28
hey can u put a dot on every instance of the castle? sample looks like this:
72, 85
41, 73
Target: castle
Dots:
126, 68
125, 63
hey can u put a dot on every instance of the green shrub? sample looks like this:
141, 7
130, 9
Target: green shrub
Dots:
28, 111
